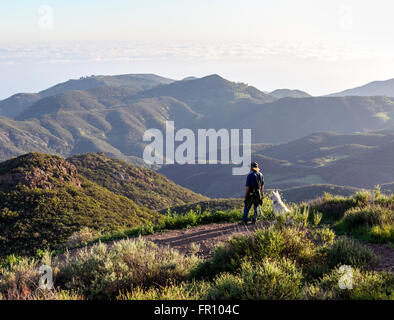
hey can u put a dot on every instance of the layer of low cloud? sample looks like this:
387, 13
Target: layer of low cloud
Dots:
120, 51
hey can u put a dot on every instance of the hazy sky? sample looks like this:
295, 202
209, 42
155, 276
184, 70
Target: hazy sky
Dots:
316, 46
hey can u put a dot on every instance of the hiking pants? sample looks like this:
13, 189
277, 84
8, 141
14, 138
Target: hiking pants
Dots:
248, 204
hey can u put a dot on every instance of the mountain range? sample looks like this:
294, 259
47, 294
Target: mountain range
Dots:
341, 140
15, 104
326, 160
113, 119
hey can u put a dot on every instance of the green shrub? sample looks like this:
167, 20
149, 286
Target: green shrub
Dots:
372, 223
333, 208
272, 242
101, 273
323, 235
19, 280
368, 216
268, 279
366, 285
19, 275
381, 234
299, 216
317, 216
82, 237
350, 252
182, 291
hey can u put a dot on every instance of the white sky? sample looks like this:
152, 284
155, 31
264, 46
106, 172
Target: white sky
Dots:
316, 46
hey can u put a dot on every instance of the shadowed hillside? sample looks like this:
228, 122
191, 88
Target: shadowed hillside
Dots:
145, 187
43, 200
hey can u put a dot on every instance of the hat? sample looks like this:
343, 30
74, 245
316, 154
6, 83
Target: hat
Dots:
254, 165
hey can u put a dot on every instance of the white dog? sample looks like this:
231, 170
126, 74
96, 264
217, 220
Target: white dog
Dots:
279, 206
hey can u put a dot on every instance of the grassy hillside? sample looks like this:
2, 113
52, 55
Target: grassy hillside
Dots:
276, 122
14, 105
43, 201
145, 187
320, 147
103, 119
207, 205
209, 94
19, 137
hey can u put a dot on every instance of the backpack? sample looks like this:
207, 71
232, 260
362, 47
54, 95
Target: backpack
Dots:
256, 193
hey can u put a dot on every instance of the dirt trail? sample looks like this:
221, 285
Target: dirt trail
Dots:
386, 256
206, 237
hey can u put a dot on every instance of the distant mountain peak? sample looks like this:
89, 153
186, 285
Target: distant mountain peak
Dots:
374, 88
189, 78
213, 78
289, 93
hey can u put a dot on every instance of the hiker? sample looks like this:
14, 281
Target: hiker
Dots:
253, 193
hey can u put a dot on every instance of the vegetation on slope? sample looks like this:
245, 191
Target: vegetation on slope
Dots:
42, 208
145, 187
211, 205
367, 216
293, 259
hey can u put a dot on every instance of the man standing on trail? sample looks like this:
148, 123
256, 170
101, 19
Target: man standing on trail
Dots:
253, 193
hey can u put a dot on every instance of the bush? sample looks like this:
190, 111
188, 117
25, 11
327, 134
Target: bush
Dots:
182, 291
19, 280
102, 273
82, 237
19, 276
296, 216
368, 216
366, 285
323, 236
373, 223
378, 234
266, 280
333, 208
350, 252
317, 216
273, 242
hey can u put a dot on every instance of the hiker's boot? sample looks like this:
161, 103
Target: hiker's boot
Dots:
253, 222
243, 223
